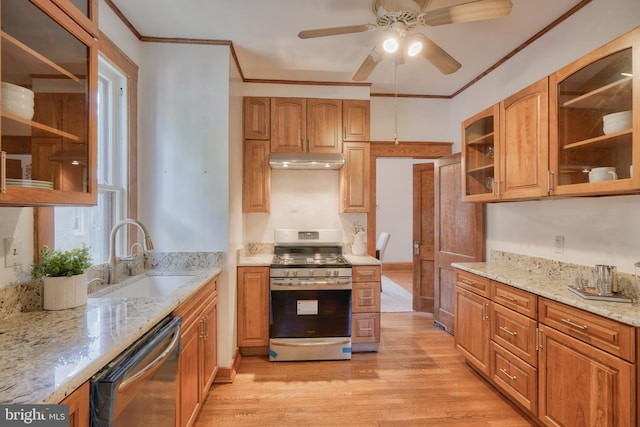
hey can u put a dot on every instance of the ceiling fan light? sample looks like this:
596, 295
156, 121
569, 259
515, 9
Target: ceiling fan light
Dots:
414, 48
390, 44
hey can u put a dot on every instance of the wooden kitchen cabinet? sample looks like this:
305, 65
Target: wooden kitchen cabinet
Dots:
582, 134
524, 144
288, 125
471, 324
324, 125
256, 177
253, 310
355, 120
198, 354
256, 118
479, 155
365, 308
79, 405
354, 178
57, 144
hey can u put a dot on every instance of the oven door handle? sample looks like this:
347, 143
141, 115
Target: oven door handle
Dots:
310, 344
312, 284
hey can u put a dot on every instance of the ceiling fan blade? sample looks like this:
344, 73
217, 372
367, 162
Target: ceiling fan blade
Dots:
467, 12
323, 32
370, 62
437, 56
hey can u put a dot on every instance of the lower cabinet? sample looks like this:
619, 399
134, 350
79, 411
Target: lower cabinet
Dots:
253, 310
365, 308
78, 402
561, 364
198, 356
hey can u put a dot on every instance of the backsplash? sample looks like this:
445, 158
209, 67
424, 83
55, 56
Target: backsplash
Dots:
28, 295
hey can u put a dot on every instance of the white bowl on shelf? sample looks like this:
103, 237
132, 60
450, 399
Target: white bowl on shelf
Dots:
15, 90
17, 100
616, 122
22, 110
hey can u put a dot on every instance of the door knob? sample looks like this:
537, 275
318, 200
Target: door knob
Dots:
416, 247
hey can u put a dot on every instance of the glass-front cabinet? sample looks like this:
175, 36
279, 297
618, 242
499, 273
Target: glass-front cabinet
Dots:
593, 146
49, 78
480, 155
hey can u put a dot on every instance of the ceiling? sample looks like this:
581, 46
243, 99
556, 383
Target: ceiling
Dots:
264, 37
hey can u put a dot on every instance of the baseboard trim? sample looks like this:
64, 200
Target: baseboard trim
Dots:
397, 266
227, 375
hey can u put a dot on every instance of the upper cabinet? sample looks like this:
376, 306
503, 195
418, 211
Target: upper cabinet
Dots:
505, 148
49, 82
256, 118
594, 126
288, 125
324, 125
355, 120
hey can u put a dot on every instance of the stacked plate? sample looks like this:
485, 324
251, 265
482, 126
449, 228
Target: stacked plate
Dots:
616, 122
17, 100
29, 183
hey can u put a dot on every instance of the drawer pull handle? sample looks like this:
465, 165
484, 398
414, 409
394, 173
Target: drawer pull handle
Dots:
504, 329
485, 316
511, 377
366, 298
508, 298
467, 282
575, 325
366, 273
365, 329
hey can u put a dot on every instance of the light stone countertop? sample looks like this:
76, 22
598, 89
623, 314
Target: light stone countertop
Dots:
552, 287
362, 260
46, 355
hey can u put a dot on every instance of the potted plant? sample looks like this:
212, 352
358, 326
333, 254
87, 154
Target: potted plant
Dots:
63, 273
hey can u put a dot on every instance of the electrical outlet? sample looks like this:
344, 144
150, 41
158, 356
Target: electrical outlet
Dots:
11, 258
559, 244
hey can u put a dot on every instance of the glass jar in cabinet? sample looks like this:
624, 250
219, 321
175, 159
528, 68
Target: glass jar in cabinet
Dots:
479, 156
49, 82
593, 146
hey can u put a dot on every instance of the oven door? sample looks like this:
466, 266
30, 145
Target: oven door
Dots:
306, 313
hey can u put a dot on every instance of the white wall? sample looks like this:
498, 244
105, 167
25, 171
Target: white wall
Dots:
596, 230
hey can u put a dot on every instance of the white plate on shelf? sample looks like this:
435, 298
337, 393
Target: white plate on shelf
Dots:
29, 183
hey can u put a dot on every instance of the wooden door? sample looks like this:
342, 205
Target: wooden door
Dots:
423, 237
524, 125
459, 236
288, 125
355, 120
324, 125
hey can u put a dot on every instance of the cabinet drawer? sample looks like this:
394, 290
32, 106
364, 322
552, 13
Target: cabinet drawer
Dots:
365, 328
515, 332
605, 334
365, 297
515, 377
366, 273
471, 282
516, 299
191, 308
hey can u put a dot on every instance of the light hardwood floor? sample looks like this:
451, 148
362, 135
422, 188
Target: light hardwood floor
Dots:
416, 378
403, 278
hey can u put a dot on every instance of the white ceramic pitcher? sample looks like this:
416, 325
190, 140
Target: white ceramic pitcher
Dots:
359, 247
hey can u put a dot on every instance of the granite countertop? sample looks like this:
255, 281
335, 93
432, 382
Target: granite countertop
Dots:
553, 287
46, 355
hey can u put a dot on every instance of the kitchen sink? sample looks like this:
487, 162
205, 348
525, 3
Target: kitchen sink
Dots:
150, 286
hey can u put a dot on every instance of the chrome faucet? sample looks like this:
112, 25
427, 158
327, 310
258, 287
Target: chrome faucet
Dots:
148, 245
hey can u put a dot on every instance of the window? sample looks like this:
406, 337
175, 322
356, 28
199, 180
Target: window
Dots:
91, 225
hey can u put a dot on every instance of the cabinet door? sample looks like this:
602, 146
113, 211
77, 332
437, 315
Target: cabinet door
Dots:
593, 117
253, 306
580, 385
78, 402
472, 329
480, 152
365, 328
524, 139
354, 178
355, 120
256, 118
209, 346
256, 177
190, 402
324, 125
288, 125
64, 104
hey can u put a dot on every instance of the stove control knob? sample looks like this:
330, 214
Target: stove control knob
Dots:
336, 273
328, 273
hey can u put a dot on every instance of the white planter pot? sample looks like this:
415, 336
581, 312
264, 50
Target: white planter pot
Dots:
65, 292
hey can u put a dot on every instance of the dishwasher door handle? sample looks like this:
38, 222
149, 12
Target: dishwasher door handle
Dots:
149, 369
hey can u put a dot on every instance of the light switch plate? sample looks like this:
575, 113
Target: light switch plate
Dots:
10, 252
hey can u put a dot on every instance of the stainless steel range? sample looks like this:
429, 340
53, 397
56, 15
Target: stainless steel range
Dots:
310, 287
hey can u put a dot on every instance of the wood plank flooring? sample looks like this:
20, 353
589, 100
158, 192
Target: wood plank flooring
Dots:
416, 378
403, 278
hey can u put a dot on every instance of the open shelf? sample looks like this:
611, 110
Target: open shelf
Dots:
616, 96
482, 140
610, 140
24, 126
484, 168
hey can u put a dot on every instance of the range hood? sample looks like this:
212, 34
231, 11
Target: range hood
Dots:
306, 160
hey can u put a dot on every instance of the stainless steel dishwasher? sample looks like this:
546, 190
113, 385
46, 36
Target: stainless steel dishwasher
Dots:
139, 387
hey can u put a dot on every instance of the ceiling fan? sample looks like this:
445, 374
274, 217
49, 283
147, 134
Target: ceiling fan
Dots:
399, 18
